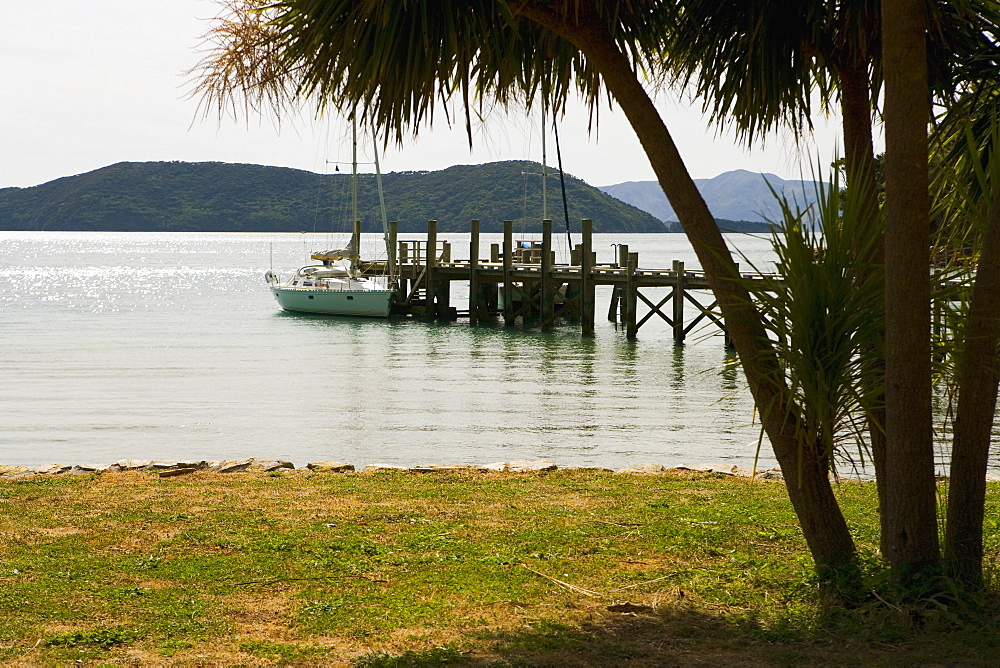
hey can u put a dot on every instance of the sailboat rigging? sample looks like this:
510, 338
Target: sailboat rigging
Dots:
338, 286
545, 181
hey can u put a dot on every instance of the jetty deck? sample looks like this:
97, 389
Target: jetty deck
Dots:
521, 282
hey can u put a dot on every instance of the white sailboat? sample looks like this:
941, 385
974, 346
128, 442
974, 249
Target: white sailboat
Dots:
337, 286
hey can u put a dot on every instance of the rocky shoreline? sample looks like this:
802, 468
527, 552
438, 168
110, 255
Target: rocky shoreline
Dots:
168, 469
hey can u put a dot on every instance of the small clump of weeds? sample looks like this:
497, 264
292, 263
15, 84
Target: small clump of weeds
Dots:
172, 646
437, 656
103, 638
282, 651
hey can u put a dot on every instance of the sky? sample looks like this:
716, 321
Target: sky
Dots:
86, 84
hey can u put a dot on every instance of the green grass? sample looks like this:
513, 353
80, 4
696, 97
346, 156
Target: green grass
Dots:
462, 568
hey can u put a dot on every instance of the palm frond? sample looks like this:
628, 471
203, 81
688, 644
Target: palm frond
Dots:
824, 313
396, 64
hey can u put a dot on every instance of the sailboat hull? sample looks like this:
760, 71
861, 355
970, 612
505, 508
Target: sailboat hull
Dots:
364, 303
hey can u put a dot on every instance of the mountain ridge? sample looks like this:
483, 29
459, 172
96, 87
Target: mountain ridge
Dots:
739, 195
220, 197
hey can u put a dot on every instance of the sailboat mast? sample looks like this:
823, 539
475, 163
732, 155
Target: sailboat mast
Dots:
390, 252
354, 171
545, 171
562, 186
355, 228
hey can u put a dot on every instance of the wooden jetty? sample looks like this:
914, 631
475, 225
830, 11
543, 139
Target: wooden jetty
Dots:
522, 282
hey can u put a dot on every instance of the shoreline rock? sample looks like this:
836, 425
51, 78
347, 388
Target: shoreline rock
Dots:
174, 468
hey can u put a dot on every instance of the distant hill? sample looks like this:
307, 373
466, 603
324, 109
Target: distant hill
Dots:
221, 197
738, 195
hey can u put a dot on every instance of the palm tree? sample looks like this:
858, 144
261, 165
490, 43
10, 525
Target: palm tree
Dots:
396, 64
392, 62
912, 531
757, 67
967, 144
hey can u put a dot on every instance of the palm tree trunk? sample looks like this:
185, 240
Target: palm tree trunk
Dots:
978, 380
859, 158
806, 473
859, 155
908, 517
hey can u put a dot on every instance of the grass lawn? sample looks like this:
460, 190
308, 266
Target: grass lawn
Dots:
404, 569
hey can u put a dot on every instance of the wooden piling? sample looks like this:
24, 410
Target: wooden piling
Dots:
623, 292
393, 262
442, 298
546, 287
678, 303
475, 293
631, 295
727, 339
390, 246
430, 261
616, 295
508, 285
587, 294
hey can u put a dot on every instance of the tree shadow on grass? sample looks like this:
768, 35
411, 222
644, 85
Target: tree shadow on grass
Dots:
683, 635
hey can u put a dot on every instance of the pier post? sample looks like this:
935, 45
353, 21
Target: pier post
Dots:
390, 247
726, 338
622, 258
430, 260
403, 291
442, 297
545, 286
475, 293
587, 279
678, 314
392, 268
616, 295
623, 291
631, 296
508, 285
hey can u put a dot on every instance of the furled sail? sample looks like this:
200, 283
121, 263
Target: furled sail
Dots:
349, 253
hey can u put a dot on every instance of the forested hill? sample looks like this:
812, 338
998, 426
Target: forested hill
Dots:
221, 197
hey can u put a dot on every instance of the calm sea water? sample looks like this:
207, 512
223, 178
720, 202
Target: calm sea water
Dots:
170, 346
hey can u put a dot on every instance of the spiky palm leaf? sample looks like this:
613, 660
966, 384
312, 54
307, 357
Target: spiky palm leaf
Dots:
824, 314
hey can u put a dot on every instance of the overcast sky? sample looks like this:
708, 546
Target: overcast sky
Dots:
88, 83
